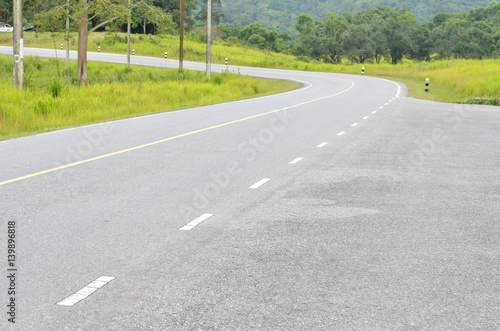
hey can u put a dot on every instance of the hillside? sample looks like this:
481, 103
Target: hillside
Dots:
282, 14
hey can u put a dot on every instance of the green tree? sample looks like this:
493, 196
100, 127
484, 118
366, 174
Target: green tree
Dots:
423, 42
6, 10
322, 39
372, 21
173, 7
217, 14
96, 13
308, 38
398, 25
474, 34
333, 34
359, 46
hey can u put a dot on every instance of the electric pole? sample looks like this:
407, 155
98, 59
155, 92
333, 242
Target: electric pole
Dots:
67, 32
209, 37
181, 48
18, 44
128, 33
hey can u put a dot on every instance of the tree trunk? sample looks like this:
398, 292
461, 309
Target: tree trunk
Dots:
333, 54
82, 49
95, 21
144, 26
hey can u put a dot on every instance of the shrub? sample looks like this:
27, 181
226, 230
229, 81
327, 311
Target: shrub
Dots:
55, 87
217, 79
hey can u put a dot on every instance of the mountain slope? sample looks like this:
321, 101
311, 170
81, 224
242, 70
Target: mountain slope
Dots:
283, 14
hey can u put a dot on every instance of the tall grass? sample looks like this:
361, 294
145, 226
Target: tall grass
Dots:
450, 80
52, 101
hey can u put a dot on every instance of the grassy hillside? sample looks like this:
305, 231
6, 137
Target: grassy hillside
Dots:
283, 14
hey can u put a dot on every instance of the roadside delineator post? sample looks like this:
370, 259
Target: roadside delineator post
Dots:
227, 60
427, 85
99, 48
133, 51
61, 46
166, 55
363, 70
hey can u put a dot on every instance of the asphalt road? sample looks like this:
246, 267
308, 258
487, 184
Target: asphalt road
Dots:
344, 205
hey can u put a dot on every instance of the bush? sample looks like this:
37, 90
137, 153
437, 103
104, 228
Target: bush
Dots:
113, 39
303, 58
55, 87
217, 79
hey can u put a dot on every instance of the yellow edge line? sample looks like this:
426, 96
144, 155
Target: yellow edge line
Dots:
168, 139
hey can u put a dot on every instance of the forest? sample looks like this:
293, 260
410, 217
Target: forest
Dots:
282, 14
382, 32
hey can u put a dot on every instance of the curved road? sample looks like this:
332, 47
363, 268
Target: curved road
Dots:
342, 205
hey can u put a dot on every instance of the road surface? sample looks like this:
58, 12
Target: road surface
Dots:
344, 205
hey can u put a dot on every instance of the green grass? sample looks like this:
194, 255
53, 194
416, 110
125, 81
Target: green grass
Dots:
451, 80
53, 100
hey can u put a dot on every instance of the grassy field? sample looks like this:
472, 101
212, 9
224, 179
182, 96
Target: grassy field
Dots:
52, 98
451, 80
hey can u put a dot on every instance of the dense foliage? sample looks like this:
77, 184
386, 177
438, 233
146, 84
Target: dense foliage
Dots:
257, 36
394, 33
382, 32
282, 14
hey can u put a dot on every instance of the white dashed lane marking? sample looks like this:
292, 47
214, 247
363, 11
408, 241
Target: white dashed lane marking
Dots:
196, 222
85, 291
296, 160
340, 133
366, 117
260, 183
322, 145
354, 124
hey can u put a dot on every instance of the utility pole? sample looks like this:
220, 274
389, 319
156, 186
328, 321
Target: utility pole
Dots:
128, 33
18, 44
209, 37
67, 32
181, 47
